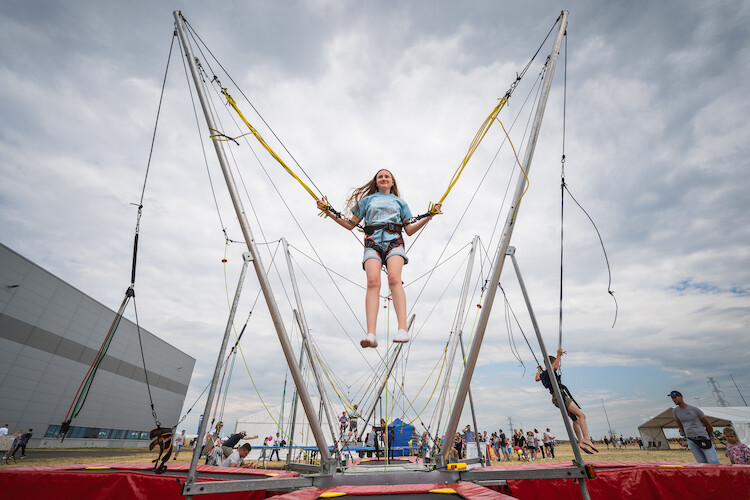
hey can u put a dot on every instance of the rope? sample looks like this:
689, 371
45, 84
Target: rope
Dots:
83, 389
562, 191
484, 128
604, 251
200, 141
145, 371
263, 143
192, 31
519, 325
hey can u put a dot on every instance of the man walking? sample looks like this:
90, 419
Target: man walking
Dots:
697, 429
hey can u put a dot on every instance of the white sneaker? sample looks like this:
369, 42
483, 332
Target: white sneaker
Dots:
401, 337
369, 341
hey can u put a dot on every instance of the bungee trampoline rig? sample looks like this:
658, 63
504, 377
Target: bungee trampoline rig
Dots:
333, 471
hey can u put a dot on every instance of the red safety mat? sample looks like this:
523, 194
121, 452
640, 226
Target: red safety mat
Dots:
117, 481
644, 481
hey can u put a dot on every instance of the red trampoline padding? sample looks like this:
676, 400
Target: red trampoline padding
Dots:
469, 491
112, 485
645, 481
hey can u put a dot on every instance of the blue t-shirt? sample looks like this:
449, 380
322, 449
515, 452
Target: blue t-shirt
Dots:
382, 208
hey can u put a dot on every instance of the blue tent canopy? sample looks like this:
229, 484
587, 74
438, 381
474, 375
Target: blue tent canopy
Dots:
402, 434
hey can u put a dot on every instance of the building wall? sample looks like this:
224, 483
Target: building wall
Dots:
50, 333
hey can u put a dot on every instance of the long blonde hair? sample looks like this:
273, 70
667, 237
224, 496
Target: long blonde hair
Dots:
370, 188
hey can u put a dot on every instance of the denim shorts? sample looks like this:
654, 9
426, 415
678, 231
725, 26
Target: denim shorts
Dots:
372, 254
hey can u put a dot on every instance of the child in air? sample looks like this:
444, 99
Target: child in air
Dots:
385, 215
574, 412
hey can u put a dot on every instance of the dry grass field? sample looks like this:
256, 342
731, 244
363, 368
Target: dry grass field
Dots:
563, 453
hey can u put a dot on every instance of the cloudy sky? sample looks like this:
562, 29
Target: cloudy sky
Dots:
656, 144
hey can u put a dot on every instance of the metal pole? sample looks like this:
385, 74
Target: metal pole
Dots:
304, 331
497, 266
191, 477
391, 366
547, 364
294, 414
471, 402
265, 284
609, 426
738, 390
454, 340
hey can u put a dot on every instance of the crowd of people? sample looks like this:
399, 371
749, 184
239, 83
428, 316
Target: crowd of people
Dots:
518, 445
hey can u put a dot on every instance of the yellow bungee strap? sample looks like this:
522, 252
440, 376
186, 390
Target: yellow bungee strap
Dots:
263, 143
474, 145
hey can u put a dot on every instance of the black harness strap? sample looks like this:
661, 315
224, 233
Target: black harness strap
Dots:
391, 227
384, 249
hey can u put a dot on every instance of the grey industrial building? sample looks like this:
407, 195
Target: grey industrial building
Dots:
50, 333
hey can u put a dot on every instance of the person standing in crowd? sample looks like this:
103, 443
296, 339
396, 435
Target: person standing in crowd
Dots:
353, 417
264, 451
495, 445
179, 442
549, 443
696, 427
343, 421
227, 447
237, 457
4, 430
274, 441
522, 444
737, 453
469, 434
212, 438
502, 439
538, 443
458, 444
530, 445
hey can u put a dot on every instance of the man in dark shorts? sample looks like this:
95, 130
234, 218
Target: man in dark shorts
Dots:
227, 446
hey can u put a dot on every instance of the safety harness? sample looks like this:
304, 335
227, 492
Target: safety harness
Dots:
380, 248
547, 383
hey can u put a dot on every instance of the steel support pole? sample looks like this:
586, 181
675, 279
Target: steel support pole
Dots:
391, 366
191, 477
294, 414
456, 338
499, 258
304, 331
273, 308
471, 403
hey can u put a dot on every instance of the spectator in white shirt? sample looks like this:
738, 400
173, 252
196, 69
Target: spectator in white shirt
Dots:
237, 459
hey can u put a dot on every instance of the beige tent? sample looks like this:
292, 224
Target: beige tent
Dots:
720, 417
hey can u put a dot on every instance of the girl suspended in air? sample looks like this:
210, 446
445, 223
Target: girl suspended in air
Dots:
385, 214
574, 412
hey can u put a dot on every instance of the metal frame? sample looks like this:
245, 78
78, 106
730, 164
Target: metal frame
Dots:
192, 473
327, 463
394, 477
497, 266
456, 340
306, 346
